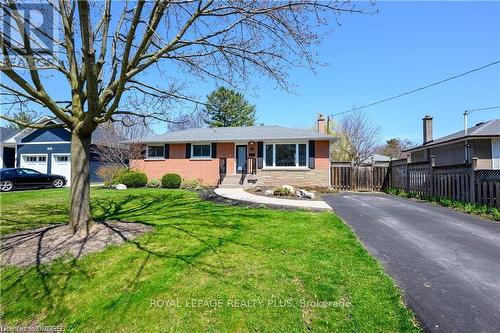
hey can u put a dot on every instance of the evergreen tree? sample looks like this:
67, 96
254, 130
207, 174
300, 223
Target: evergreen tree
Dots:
23, 117
228, 108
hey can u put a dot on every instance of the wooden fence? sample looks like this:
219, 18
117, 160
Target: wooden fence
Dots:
457, 182
347, 177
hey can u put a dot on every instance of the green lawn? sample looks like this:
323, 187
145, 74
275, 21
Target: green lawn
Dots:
200, 252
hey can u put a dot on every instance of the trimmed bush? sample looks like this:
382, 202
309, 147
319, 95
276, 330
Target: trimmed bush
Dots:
154, 183
133, 179
171, 180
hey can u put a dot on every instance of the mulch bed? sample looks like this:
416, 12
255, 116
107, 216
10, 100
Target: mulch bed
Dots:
42, 245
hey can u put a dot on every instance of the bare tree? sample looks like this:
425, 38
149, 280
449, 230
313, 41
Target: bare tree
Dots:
113, 52
358, 136
109, 139
185, 121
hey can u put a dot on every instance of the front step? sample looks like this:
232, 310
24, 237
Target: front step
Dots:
233, 181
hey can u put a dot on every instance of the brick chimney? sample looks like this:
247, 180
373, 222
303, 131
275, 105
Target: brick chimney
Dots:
321, 124
427, 129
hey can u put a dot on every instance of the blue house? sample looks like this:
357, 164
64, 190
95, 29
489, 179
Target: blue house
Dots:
47, 151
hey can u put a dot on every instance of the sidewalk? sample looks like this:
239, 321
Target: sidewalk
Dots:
241, 195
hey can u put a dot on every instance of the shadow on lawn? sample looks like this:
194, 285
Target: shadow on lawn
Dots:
206, 226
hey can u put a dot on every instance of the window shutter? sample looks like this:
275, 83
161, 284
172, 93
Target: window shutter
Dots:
166, 151
188, 150
312, 154
260, 155
214, 149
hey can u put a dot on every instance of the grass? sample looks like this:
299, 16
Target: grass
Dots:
485, 211
205, 267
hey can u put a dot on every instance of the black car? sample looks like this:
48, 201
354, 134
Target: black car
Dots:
28, 178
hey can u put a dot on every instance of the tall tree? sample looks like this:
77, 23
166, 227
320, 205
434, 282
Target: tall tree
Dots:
22, 116
358, 136
228, 108
112, 53
394, 147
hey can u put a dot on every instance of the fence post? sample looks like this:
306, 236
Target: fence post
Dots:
473, 180
407, 178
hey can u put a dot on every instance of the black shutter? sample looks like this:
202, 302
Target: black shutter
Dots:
188, 150
214, 149
260, 155
166, 151
312, 154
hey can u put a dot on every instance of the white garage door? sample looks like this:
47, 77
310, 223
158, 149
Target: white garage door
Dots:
61, 165
35, 162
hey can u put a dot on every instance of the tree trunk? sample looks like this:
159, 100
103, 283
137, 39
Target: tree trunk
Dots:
80, 217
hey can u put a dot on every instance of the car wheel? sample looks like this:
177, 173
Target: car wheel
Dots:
58, 183
6, 185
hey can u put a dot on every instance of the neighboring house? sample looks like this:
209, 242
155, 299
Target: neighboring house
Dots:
480, 143
257, 155
7, 151
377, 159
47, 151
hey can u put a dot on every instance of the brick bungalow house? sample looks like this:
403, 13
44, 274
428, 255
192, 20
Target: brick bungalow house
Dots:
480, 143
241, 156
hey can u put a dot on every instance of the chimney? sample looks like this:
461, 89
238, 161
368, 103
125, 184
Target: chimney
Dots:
321, 124
427, 129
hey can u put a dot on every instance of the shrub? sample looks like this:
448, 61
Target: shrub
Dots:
154, 183
470, 208
133, 179
171, 180
282, 192
109, 173
193, 184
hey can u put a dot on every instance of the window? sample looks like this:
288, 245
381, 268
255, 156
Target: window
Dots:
269, 155
40, 158
201, 151
156, 151
27, 172
302, 154
62, 158
286, 155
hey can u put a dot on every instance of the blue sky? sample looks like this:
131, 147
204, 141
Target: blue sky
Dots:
371, 57
404, 46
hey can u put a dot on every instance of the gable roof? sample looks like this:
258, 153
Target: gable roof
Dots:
247, 133
6, 133
485, 129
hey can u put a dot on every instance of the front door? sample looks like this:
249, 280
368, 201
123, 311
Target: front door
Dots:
241, 159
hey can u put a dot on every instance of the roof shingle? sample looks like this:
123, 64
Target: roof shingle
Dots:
236, 134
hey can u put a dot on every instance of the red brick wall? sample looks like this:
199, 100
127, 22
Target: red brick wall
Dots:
322, 154
207, 170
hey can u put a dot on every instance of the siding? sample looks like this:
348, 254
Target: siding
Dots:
48, 135
454, 153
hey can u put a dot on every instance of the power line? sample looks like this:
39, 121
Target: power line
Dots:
483, 109
418, 89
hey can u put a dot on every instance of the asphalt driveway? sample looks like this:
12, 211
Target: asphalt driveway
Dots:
447, 263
